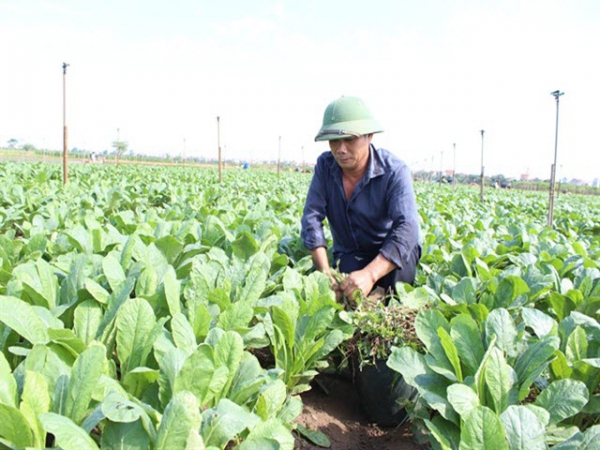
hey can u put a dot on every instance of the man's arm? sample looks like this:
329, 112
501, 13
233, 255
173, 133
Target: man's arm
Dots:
320, 260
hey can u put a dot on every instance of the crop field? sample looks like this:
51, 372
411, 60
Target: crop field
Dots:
153, 307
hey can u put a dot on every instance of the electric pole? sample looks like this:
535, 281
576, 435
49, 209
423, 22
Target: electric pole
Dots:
279, 158
65, 133
219, 145
556, 95
482, 174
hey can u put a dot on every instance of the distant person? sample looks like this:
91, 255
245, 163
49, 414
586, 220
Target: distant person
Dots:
367, 196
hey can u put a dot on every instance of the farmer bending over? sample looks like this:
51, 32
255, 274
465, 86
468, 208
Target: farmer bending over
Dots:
367, 196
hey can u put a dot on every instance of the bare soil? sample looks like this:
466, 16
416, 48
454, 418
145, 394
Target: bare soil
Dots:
335, 410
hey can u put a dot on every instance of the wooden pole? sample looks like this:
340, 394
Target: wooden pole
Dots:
482, 170
279, 158
556, 95
454, 166
219, 145
65, 132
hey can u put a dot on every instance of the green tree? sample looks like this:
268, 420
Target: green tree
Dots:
120, 148
12, 143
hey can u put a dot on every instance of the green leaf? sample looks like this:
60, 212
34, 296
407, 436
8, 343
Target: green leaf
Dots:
273, 429
284, 323
451, 352
80, 238
591, 438
35, 401
183, 333
125, 436
500, 324
509, 289
223, 423
14, 427
201, 376
432, 387
39, 282
562, 305
465, 291
170, 363
541, 323
560, 366
315, 436
116, 300
460, 266
255, 280
563, 399
117, 408
48, 363
85, 375
22, 318
137, 380
236, 317
532, 362
577, 345
100, 294
147, 283
170, 247
271, 400
69, 436
500, 381
482, 430
180, 421
244, 245
445, 432
427, 324
113, 271
8, 385
228, 353
291, 409
524, 430
172, 288
87, 320
462, 398
468, 342
135, 322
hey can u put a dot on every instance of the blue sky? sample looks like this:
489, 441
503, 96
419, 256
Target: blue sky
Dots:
433, 72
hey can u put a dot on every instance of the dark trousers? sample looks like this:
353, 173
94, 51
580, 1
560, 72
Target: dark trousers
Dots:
350, 263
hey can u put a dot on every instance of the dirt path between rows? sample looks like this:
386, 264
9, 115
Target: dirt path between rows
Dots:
338, 414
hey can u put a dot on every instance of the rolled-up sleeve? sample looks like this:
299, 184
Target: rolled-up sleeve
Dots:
315, 210
403, 236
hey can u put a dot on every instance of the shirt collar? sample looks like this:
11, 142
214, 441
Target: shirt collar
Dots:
375, 165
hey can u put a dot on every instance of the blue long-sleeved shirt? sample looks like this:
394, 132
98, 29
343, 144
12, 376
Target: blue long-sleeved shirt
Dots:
380, 217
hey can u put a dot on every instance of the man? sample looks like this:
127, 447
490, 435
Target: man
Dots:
366, 194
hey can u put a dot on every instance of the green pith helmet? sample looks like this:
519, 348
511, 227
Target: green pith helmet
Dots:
347, 117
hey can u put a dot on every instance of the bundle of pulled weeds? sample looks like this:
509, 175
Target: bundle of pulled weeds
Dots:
381, 322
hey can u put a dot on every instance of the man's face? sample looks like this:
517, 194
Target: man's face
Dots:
351, 153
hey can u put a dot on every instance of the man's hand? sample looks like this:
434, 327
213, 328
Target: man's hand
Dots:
359, 280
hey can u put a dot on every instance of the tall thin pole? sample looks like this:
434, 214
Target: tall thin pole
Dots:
454, 165
441, 166
219, 145
279, 158
556, 95
482, 171
65, 132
